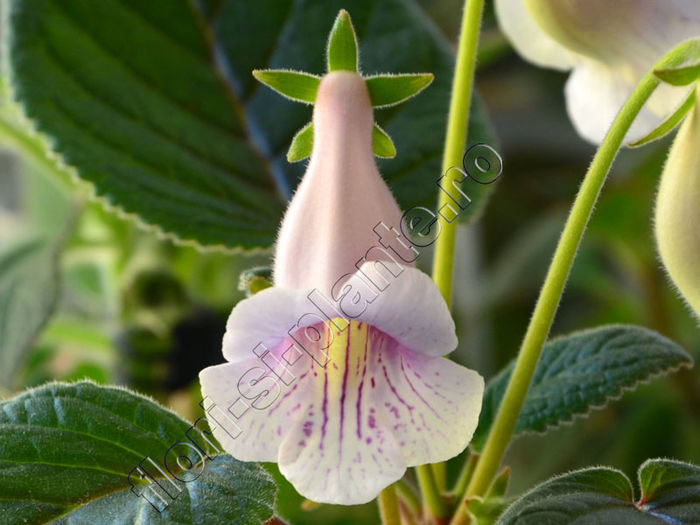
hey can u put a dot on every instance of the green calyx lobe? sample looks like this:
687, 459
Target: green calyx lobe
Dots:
343, 55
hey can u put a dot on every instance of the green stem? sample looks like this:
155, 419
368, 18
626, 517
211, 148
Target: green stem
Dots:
465, 476
457, 124
389, 506
456, 137
430, 494
557, 275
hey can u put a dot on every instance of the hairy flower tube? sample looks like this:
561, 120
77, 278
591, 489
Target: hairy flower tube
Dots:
609, 46
677, 222
336, 372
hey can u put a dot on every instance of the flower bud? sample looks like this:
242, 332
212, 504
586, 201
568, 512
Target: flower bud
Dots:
329, 224
677, 224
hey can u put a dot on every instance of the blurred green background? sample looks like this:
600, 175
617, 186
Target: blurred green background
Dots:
138, 310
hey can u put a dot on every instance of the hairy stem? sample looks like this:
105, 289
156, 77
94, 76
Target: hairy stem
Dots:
455, 140
553, 287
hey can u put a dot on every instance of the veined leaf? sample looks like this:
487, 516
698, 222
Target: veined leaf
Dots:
582, 371
670, 493
71, 453
28, 290
155, 105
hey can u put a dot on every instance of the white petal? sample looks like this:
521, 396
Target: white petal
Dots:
618, 33
378, 409
529, 40
595, 93
411, 310
249, 408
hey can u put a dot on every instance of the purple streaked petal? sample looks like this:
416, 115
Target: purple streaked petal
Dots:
380, 408
256, 407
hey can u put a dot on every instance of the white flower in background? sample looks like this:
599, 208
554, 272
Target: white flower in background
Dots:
337, 372
609, 45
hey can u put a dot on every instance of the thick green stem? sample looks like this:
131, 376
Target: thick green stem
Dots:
455, 140
557, 275
389, 506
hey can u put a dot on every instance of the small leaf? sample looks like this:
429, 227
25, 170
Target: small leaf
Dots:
302, 144
582, 371
342, 45
28, 290
382, 145
499, 485
679, 76
679, 63
669, 124
670, 494
296, 85
484, 512
389, 90
670, 490
86, 444
253, 280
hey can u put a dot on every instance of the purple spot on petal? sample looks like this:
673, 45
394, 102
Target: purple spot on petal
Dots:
368, 440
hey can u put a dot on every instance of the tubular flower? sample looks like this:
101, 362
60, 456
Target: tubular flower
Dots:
677, 224
336, 372
608, 46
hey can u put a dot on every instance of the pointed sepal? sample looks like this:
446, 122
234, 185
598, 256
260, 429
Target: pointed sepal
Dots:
389, 90
302, 143
295, 85
499, 485
669, 124
382, 145
679, 76
684, 69
342, 45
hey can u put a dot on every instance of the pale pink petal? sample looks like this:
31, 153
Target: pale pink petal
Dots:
410, 309
250, 408
267, 317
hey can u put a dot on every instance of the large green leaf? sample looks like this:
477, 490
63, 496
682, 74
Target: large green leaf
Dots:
582, 371
155, 104
67, 452
28, 289
670, 494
